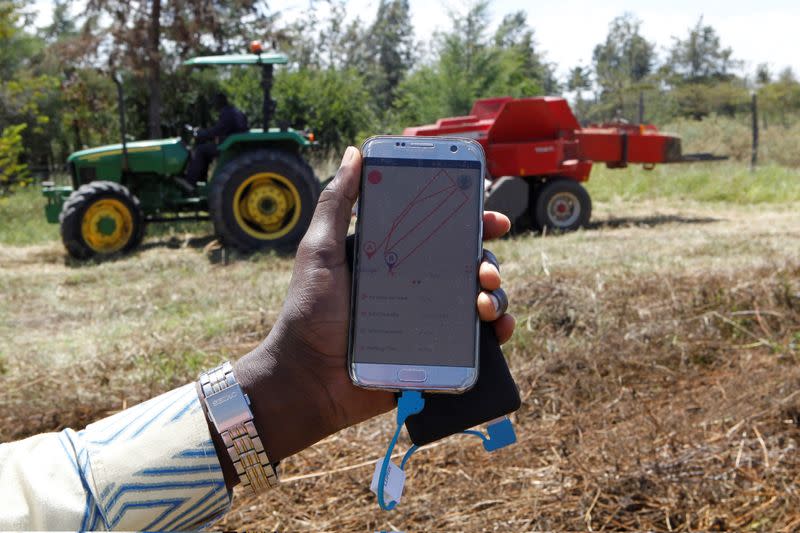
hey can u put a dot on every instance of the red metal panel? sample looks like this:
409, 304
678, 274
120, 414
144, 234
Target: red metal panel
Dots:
533, 119
646, 148
523, 159
536, 159
488, 107
541, 137
608, 145
599, 144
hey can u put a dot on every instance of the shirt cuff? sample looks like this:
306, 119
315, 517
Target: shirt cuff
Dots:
154, 466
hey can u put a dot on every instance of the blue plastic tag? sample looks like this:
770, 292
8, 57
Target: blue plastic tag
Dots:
501, 434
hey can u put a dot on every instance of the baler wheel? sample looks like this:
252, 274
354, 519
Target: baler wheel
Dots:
562, 205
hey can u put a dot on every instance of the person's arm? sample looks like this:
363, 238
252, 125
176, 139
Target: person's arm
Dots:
224, 126
150, 467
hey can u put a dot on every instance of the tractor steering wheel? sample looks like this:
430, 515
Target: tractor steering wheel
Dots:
188, 133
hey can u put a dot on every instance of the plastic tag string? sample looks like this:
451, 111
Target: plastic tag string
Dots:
410, 403
500, 434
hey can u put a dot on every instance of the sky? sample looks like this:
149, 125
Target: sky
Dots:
763, 31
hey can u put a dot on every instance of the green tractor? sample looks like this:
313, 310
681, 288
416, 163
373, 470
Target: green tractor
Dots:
260, 194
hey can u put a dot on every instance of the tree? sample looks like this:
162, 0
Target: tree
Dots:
469, 65
698, 71
763, 74
391, 41
523, 69
148, 36
579, 80
623, 61
334, 103
780, 97
27, 94
700, 58
62, 26
12, 170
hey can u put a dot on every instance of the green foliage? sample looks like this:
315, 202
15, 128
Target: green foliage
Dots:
733, 183
472, 65
17, 47
622, 65
349, 79
698, 100
89, 116
23, 219
625, 56
779, 145
699, 57
779, 99
12, 171
334, 104
390, 49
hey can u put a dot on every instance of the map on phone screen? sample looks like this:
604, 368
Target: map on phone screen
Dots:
417, 280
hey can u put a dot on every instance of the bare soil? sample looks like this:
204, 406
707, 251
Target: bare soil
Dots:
657, 354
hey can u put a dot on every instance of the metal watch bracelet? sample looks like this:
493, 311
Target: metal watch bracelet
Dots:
229, 410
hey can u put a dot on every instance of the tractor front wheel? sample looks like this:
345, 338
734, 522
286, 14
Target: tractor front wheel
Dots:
263, 199
101, 218
562, 205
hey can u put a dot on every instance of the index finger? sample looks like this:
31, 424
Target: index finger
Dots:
495, 225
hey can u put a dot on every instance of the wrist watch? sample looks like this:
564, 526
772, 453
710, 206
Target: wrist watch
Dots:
229, 410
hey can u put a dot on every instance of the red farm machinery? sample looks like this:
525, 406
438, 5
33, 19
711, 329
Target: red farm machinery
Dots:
538, 154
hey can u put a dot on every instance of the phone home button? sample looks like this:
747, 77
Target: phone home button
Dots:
415, 375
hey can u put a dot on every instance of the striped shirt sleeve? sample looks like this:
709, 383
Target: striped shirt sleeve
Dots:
150, 467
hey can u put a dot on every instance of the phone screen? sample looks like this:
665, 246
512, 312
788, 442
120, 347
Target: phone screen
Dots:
418, 246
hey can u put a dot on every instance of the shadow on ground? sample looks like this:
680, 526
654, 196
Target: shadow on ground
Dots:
648, 221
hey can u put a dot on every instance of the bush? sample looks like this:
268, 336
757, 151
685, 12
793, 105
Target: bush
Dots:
334, 104
12, 170
778, 144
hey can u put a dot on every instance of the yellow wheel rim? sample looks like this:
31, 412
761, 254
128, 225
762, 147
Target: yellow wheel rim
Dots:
107, 226
267, 206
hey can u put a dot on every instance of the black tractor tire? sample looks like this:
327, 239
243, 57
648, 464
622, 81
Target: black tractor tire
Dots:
76, 206
562, 205
231, 178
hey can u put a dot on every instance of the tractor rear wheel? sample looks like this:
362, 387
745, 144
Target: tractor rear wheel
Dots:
562, 205
101, 218
263, 199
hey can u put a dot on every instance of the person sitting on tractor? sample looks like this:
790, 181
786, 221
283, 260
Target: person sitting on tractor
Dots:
231, 120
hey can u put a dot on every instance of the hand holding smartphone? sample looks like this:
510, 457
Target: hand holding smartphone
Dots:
414, 322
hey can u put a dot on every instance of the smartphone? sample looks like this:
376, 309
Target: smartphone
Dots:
418, 244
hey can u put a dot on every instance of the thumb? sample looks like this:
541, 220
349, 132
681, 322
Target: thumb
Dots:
335, 206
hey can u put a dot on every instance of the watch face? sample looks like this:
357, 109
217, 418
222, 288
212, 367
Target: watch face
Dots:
228, 408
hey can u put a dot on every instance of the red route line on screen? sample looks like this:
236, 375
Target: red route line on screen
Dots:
454, 188
451, 215
406, 209
389, 246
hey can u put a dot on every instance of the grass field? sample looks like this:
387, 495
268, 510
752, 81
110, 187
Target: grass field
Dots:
657, 353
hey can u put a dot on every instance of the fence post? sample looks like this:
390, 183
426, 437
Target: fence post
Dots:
641, 107
754, 112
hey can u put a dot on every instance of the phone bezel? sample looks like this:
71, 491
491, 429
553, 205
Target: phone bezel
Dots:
440, 378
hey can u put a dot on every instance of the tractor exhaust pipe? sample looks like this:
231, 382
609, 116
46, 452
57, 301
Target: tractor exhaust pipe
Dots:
121, 108
268, 105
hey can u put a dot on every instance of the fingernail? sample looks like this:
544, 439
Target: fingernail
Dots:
349, 154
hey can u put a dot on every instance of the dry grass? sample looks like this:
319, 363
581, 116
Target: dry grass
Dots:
658, 355
779, 140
